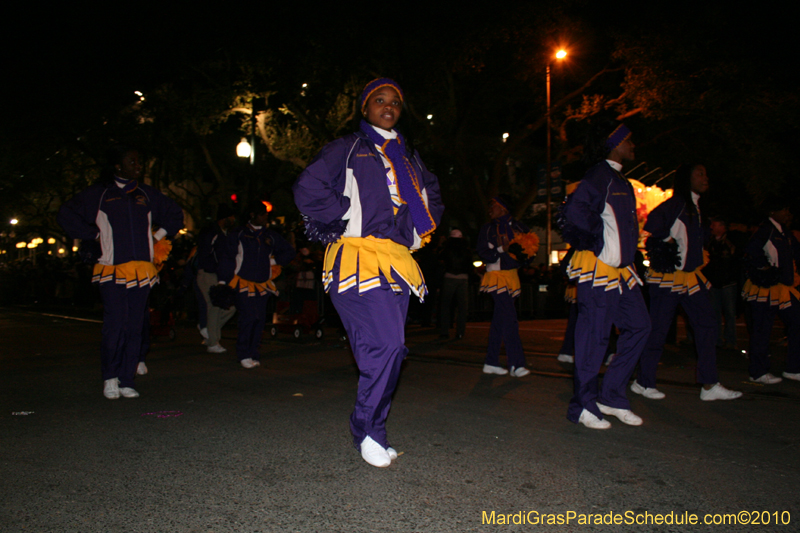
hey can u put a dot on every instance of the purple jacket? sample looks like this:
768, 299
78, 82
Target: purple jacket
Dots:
488, 242
770, 247
247, 254
670, 219
604, 205
123, 218
347, 181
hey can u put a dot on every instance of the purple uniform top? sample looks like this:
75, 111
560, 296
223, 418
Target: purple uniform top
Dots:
604, 205
123, 219
347, 181
248, 252
671, 219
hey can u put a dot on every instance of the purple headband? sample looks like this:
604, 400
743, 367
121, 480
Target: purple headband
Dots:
617, 137
376, 84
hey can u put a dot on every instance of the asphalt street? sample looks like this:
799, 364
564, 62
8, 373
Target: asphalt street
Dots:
212, 447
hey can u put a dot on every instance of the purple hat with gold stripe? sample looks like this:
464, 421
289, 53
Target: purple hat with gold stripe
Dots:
617, 137
376, 84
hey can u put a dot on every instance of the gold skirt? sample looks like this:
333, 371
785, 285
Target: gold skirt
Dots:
679, 281
780, 294
585, 266
364, 259
131, 274
501, 281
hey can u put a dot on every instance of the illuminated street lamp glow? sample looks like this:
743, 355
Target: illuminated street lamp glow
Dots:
61, 251
477, 264
22, 244
430, 117
32, 244
51, 241
560, 54
13, 221
505, 137
74, 248
243, 148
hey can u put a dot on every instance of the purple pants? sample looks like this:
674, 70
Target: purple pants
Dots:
763, 318
700, 311
568, 346
598, 309
124, 311
505, 328
375, 323
252, 318
145, 345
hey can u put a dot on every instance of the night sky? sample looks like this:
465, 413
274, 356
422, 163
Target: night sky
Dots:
68, 66
60, 61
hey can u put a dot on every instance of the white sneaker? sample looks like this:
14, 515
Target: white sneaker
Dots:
589, 420
489, 369
111, 388
653, 394
718, 392
141, 370
792, 376
520, 372
565, 358
250, 363
392, 453
128, 392
766, 379
374, 453
217, 348
625, 416
203, 331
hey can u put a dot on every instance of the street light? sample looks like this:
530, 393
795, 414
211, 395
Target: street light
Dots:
243, 149
561, 54
13, 221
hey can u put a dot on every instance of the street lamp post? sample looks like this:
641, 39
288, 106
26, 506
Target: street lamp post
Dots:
561, 54
247, 150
